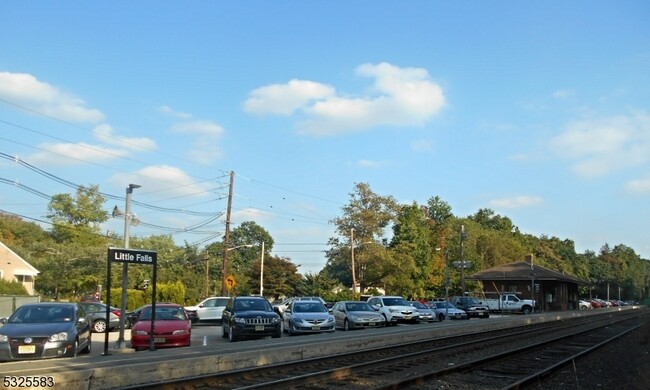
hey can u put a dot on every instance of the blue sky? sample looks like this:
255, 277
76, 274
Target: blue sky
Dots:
538, 111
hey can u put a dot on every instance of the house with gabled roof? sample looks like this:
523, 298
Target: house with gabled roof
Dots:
552, 290
13, 268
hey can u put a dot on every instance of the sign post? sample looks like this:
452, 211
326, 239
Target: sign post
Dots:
133, 256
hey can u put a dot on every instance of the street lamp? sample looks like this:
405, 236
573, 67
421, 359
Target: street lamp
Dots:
125, 271
223, 267
262, 272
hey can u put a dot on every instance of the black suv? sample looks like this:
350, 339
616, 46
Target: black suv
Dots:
249, 316
472, 307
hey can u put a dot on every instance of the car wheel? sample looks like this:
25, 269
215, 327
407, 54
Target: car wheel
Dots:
100, 326
441, 317
526, 309
277, 334
289, 330
386, 320
224, 334
346, 325
231, 335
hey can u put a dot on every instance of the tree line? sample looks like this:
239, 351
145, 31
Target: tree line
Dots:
402, 249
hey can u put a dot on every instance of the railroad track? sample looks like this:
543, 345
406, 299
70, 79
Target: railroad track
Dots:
452, 362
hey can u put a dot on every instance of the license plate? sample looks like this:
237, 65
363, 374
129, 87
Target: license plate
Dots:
407, 317
159, 340
259, 328
315, 328
372, 323
26, 349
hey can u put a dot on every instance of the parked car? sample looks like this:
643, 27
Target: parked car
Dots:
132, 316
394, 309
171, 327
472, 306
446, 310
209, 309
45, 330
282, 306
355, 315
584, 305
308, 317
426, 313
250, 316
97, 313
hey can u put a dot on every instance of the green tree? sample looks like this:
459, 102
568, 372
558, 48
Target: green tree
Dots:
78, 218
364, 220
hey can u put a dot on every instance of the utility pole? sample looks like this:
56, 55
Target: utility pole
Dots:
121, 343
354, 275
462, 260
226, 240
262, 272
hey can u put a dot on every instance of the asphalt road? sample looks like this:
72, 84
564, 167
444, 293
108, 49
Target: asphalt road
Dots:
209, 333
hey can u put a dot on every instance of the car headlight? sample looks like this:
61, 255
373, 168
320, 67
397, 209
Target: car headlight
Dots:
276, 320
180, 331
4, 338
240, 320
330, 319
393, 310
353, 317
140, 332
62, 336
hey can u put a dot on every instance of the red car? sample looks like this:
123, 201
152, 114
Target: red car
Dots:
172, 327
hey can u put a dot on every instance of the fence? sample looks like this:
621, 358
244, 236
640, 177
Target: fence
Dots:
9, 303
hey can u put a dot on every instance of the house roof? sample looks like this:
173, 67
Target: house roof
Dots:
20, 266
521, 270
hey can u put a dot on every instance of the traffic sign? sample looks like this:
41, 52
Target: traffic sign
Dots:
230, 282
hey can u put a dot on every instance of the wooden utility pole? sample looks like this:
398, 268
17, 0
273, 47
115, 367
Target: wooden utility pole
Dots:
226, 240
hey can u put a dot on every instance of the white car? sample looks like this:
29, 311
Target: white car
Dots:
209, 309
394, 309
446, 310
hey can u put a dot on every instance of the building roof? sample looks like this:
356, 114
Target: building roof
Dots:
521, 270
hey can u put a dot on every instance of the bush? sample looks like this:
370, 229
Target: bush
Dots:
12, 288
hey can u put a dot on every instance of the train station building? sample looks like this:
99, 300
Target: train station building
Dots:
552, 290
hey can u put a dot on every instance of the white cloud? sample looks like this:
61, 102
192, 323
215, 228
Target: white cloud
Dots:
516, 202
27, 90
65, 154
640, 186
423, 145
175, 114
285, 99
370, 164
163, 179
104, 132
205, 149
600, 146
398, 97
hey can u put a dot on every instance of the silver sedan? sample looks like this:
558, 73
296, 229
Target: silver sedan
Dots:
356, 315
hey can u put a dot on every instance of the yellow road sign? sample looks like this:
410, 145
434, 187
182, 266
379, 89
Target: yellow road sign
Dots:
230, 282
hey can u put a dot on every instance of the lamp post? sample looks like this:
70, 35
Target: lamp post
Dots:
354, 276
224, 270
125, 270
262, 272
446, 283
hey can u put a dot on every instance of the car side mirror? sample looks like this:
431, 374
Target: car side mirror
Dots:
3, 320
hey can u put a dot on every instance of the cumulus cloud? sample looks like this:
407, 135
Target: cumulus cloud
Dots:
285, 99
104, 132
398, 97
516, 202
166, 179
66, 154
600, 146
176, 114
639, 186
205, 149
27, 90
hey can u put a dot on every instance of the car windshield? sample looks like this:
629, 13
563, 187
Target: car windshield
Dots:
442, 305
164, 313
252, 305
358, 306
418, 305
304, 307
395, 302
41, 314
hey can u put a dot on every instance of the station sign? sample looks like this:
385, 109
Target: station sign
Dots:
133, 256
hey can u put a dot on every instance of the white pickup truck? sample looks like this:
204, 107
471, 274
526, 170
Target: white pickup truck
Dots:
509, 302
